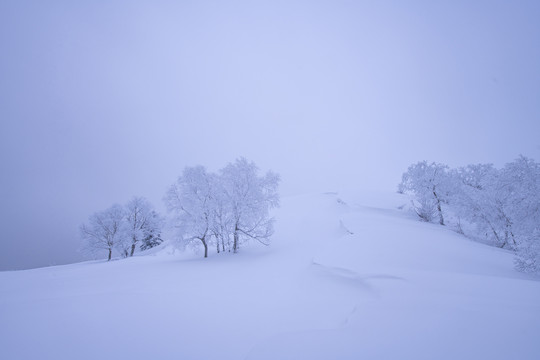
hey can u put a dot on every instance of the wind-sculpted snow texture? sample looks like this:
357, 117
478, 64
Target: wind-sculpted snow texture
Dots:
346, 277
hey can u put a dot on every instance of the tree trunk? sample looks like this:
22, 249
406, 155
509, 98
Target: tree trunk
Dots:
441, 219
110, 254
499, 242
235, 243
509, 229
205, 247
132, 249
513, 238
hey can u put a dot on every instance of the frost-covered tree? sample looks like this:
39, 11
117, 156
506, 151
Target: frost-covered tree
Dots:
153, 234
142, 223
249, 198
478, 198
502, 205
123, 243
520, 182
225, 209
190, 202
104, 229
221, 224
528, 252
429, 184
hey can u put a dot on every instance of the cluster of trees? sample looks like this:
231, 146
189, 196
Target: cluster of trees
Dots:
223, 210
125, 229
497, 206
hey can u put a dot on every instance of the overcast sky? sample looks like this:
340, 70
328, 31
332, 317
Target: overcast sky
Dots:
103, 100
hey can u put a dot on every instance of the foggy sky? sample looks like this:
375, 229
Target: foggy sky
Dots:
100, 101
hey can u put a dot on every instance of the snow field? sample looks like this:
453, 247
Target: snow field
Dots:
394, 288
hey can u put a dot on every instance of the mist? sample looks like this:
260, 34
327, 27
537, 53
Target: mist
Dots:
103, 101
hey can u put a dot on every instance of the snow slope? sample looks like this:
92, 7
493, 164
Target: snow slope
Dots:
347, 277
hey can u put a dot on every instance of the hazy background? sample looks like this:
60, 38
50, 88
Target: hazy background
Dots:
103, 100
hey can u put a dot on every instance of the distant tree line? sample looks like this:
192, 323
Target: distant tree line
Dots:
500, 207
220, 210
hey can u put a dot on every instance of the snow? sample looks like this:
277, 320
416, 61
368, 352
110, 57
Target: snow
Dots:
348, 276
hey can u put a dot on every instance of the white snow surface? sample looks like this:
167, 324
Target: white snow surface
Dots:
346, 277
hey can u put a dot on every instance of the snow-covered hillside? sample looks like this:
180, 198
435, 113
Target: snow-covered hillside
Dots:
346, 277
